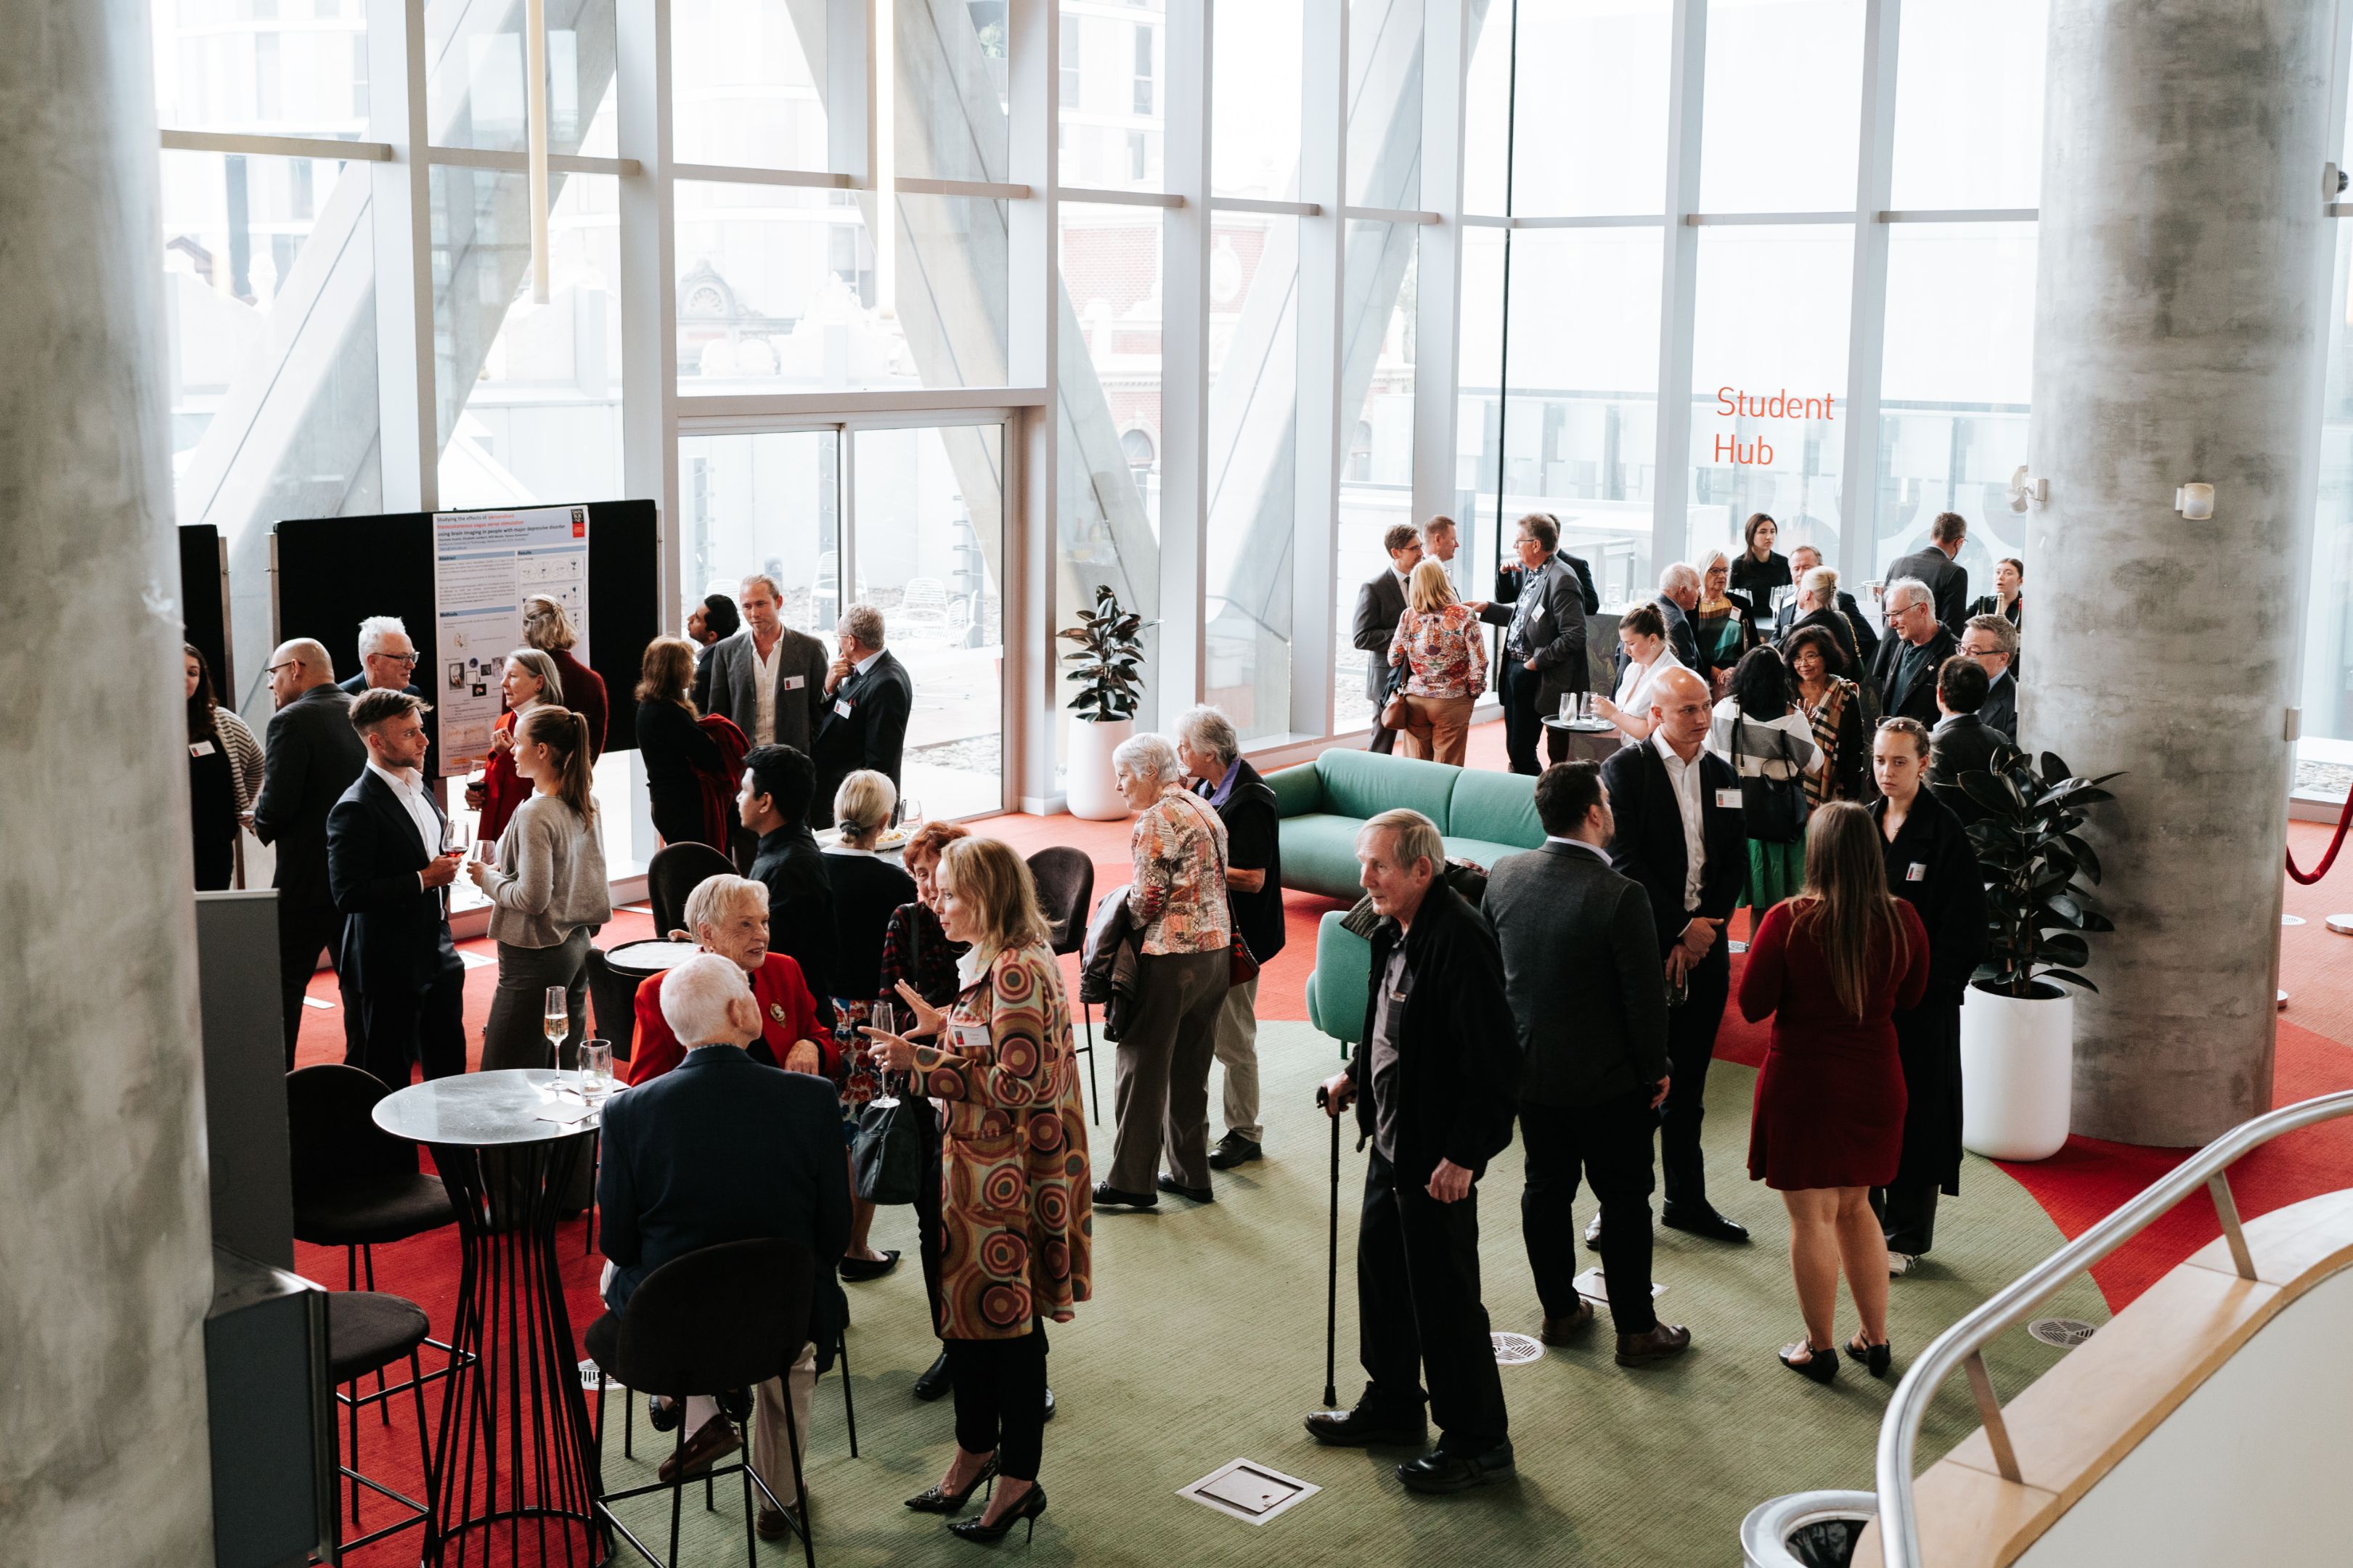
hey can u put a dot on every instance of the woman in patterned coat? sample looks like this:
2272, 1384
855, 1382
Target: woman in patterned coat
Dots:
1016, 1216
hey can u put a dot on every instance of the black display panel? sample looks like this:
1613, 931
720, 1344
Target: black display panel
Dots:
203, 620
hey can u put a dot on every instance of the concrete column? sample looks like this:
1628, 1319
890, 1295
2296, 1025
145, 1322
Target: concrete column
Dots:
2177, 312
105, 1231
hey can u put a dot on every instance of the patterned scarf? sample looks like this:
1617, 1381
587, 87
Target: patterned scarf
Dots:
1824, 721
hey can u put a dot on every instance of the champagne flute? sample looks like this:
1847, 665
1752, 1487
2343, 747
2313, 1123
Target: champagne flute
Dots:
557, 1022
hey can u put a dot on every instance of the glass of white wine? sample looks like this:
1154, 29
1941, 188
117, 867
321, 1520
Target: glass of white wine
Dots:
557, 1023
595, 1069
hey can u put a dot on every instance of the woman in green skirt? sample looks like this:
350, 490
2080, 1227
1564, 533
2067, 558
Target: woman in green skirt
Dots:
1760, 730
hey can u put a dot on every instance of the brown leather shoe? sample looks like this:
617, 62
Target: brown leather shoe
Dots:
712, 1442
775, 1524
1662, 1340
1559, 1331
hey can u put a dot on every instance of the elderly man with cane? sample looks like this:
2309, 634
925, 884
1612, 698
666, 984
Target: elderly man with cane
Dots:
1432, 1084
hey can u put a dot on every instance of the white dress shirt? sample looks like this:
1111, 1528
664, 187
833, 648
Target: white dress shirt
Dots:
764, 690
1589, 849
1685, 778
408, 788
863, 665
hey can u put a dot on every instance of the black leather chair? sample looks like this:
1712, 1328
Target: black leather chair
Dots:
676, 870
715, 1320
367, 1331
354, 1184
1066, 892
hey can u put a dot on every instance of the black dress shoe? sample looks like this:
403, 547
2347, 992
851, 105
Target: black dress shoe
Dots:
1109, 1196
1705, 1222
1049, 1405
1168, 1184
1442, 1472
735, 1405
775, 1524
665, 1414
937, 1499
857, 1270
937, 1381
1233, 1150
1361, 1428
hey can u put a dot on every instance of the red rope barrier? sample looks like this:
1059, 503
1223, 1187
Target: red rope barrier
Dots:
2344, 820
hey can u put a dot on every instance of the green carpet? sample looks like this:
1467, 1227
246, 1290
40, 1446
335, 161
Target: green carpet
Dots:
1205, 1343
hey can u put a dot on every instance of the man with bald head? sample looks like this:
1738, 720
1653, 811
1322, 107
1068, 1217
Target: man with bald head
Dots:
1679, 834
313, 757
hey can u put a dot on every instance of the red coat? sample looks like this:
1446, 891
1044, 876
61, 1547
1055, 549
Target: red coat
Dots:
789, 1013
504, 789
1829, 1110
583, 693
718, 789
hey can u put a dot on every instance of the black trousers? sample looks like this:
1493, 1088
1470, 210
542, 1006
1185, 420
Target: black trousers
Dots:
1524, 720
930, 1229
1907, 1213
1690, 1046
424, 1022
1000, 1399
1418, 1312
303, 931
1611, 1144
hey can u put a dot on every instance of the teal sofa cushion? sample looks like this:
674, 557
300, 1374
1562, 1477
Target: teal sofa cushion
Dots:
1298, 790
1363, 784
1481, 852
1498, 807
1319, 854
1344, 972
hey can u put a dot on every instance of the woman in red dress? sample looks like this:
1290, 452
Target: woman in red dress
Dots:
1832, 965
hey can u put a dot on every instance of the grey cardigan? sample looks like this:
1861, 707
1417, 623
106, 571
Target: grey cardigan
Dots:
549, 880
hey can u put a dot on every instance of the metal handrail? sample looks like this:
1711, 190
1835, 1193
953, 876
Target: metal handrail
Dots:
1962, 1345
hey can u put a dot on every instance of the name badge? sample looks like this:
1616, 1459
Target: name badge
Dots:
1728, 798
201, 749
794, 682
971, 1038
841, 708
1915, 872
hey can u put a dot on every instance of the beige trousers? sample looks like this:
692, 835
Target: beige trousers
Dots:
1237, 1047
1437, 728
771, 1459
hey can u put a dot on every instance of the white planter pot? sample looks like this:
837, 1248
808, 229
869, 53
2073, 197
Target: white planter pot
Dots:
1088, 788
2018, 1073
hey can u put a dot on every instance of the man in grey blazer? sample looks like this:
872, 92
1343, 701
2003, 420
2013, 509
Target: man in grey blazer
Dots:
1543, 647
768, 678
1581, 973
1380, 605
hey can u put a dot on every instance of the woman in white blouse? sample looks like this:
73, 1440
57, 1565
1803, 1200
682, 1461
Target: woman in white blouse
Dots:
1642, 631
1760, 730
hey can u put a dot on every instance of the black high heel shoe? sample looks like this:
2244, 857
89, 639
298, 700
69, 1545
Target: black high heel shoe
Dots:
1030, 1506
1871, 1358
1820, 1363
937, 1499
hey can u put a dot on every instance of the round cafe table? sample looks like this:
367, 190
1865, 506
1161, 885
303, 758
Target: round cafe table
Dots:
643, 960
515, 1444
1586, 739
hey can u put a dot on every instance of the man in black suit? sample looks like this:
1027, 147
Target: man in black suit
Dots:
388, 663
312, 757
1916, 646
1581, 970
1380, 605
1802, 560
722, 1148
869, 697
1431, 1083
774, 804
388, 872
1544, 654
1992, 641
1961, 742
1680, 835
1947, 580
708, 625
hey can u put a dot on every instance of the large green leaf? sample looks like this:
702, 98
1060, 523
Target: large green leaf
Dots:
2069, 976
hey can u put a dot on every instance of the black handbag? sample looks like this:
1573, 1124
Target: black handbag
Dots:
1772, 811
886, 1151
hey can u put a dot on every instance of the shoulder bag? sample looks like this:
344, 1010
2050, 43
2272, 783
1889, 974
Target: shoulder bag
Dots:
886, 1147
1245, 965
1773, 810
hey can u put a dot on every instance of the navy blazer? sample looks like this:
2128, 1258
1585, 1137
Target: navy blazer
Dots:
396, 933
1649, 846
871, 734
722, 1148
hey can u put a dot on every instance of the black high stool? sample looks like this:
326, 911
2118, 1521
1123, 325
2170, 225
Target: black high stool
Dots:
367, 1331
717, 1319
849, 1400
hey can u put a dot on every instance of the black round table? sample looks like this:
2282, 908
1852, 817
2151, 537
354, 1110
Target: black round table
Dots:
1587, 740
515, 1443
641, 960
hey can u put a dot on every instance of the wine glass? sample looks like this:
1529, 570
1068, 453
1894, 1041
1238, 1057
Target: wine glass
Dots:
457, 834
911, 811
557, 1022
595, 1069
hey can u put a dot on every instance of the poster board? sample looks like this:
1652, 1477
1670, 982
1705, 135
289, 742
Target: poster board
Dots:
484, 564
331, 573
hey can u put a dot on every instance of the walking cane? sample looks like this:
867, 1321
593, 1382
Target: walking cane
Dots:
1332, 1271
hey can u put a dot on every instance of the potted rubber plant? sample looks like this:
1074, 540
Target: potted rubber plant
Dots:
1107, 664
2018, 1018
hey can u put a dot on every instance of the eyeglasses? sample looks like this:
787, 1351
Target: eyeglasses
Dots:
289, 664
408, 659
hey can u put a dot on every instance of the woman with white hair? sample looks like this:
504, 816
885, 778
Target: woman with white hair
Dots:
728, 916
867, 889
1723, 625
547, 626
1178, 906
529, 681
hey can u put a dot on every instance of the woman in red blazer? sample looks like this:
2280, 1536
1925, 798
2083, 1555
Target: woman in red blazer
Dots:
1831, 967
728, 916
548, 629
529, 681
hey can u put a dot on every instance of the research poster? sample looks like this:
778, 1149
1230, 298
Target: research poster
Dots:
485, 563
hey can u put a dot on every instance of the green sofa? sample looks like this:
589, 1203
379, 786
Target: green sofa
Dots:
1482, 816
